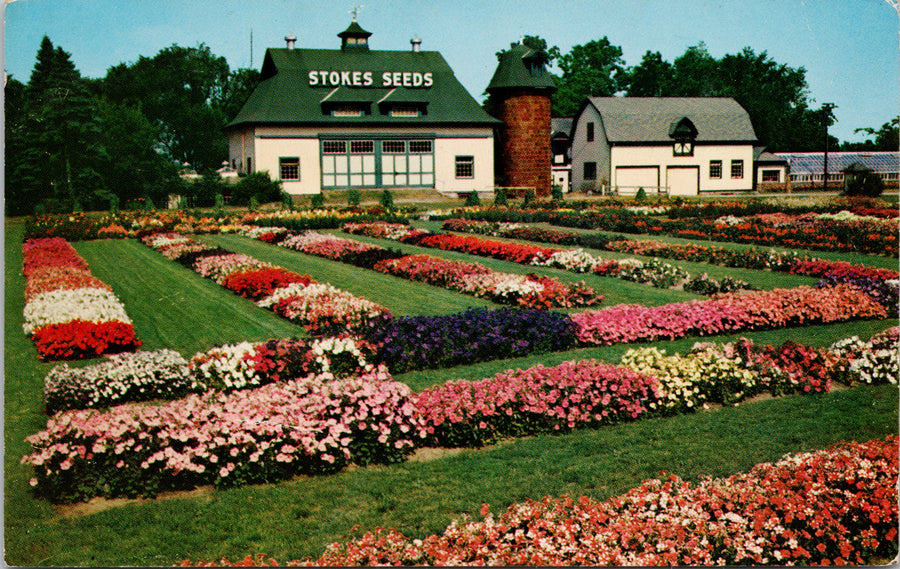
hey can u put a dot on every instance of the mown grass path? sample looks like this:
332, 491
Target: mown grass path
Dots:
299, 517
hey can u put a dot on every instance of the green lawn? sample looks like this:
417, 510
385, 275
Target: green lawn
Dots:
172, 307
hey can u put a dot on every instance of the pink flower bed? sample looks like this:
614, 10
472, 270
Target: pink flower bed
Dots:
255, 435
324, 245
835, 506
626, 323
536, 400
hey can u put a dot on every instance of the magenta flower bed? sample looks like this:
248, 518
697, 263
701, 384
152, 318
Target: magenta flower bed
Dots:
532, 401
625, 323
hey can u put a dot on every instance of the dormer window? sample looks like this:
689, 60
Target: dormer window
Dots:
404, 112
347, 111
683, 132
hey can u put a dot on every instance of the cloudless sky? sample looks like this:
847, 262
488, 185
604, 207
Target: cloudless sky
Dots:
849, 48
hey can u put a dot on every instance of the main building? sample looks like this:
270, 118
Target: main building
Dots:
357, 118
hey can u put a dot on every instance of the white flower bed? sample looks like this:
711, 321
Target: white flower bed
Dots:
575, 260
59, 306
124, 377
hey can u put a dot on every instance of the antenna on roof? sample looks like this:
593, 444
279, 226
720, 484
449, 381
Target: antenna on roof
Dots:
355, 10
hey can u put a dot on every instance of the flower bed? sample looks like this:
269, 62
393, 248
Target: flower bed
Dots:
320, 308
68, 312
534, 401
625, 323
250, 436
875, 361
834, 506
476, 335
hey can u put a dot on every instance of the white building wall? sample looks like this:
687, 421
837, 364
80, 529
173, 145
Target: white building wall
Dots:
476, 143
662, 157
583, 151
265, 145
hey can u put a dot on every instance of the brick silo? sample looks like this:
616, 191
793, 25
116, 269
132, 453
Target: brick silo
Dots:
520, 90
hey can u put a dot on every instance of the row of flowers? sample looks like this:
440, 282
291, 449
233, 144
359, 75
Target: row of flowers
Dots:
69, 313
319, 307
317, 422
165, 374
626, 323
803, 231
836, 506
530, 291
881, 284
655, 273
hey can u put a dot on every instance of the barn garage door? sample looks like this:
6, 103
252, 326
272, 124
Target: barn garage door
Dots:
629, 179
683, 181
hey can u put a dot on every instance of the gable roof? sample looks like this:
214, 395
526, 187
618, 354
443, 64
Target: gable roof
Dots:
649, 119
284, 96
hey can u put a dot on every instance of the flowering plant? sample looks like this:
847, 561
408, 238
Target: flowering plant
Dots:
256, 284
248, 436
625, 323
873, 362
140, 376
834, 506
537, 400
218, 267
324, 309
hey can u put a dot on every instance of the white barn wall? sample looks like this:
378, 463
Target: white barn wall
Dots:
478, 143
583, 151
662, 156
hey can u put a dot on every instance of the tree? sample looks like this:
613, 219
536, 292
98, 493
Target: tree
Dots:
594, 69
59, 159
887, 138
186, 91
534, 42
652, 78
695, 74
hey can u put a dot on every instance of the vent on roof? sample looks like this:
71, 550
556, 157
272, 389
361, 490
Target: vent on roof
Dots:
416, 43
290, 40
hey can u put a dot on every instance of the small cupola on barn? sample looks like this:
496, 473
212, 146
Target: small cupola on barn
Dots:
355, 37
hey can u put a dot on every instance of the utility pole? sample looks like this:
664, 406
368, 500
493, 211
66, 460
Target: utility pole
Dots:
827, 117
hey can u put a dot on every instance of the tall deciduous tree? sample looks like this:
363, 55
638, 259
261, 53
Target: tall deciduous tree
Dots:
184, 91
652, 78
594, 69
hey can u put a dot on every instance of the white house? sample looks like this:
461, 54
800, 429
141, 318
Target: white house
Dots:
670, 145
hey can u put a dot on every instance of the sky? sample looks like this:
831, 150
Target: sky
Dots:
850, 49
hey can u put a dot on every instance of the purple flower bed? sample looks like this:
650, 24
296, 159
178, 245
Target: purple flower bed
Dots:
475, 335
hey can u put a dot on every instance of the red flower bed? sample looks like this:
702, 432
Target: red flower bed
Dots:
841, 270
49, 252
60, 277
514, 252
835, 506
259, 283
79, 339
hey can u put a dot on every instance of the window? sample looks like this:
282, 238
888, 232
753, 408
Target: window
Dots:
419, 146
290, 168
362, 146
334, 147
393, 146
590, 132
404, 112
737, 168
590, 170
465, 166
715, 169
347, 112
683, 148
770, 176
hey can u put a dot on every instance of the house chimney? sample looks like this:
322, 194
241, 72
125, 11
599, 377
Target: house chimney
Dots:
416, 43
290, 40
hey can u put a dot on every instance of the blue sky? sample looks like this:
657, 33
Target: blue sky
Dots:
849, 48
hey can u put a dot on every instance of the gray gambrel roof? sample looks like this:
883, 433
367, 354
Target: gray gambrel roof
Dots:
629, 120
284, 96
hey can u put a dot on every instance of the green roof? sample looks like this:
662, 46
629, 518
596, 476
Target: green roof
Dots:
522, 67
284, 95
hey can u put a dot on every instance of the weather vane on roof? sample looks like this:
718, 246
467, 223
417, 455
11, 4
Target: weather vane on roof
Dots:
355, 10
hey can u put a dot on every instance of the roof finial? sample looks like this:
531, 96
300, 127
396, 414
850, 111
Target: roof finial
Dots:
355, 10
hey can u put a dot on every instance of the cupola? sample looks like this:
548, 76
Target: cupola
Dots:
355, 37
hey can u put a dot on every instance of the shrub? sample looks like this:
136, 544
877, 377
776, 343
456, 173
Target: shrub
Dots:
472, 199
500, 198
556, 192
317, 201
353, 198
866, 183
387, 200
